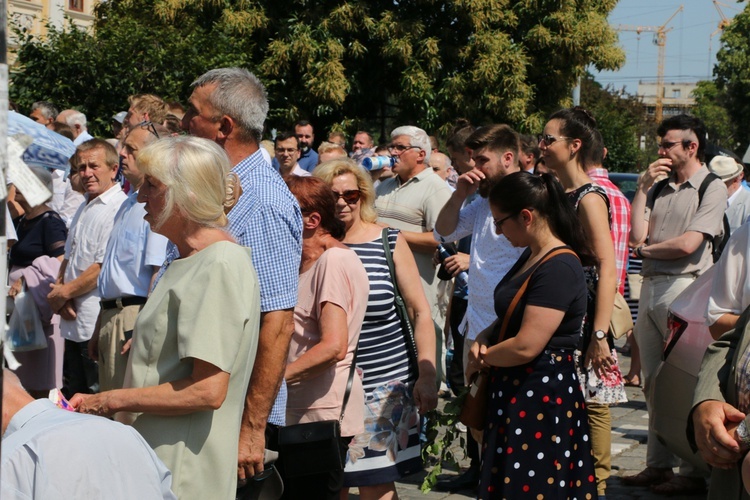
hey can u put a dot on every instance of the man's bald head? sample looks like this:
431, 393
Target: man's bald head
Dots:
440, 164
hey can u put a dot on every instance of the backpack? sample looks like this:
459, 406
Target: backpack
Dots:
719, 241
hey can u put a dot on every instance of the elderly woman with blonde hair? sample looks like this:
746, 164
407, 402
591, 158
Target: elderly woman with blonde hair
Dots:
399, 383
195, 340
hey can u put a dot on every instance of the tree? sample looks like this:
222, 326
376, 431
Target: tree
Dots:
732, 72
711, 108
620, 120
345, 63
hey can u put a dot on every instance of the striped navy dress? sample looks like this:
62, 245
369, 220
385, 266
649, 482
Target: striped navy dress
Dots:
389, 447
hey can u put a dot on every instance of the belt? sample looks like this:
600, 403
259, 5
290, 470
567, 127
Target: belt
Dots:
122, 302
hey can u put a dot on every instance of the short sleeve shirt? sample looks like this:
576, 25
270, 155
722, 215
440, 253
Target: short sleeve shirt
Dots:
337, 277
676, 211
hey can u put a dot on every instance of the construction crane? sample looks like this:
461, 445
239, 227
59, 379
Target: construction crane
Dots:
660, 40
723, 23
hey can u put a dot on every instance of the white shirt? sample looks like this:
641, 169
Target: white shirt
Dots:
132, 252
52, 453
65, 200
730, 291
491, 258
86, 245
82, 137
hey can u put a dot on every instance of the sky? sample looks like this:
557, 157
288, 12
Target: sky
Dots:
687, 48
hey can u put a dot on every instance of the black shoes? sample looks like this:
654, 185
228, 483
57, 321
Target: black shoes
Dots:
469, 480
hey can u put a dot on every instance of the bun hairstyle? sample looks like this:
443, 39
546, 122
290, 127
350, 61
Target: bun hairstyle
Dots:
195, 172
577, 123
544, 194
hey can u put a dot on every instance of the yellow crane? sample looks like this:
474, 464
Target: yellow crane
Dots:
660, 40
724, 22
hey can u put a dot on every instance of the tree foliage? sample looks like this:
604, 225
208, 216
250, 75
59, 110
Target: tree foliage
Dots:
344, 63
621, 121
732, 72
710, 106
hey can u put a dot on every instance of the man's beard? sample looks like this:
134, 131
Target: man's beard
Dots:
486, 185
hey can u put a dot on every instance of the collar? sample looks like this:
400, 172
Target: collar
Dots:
27, 413
696, 179
250, 163
598, 172
419, 177
107, 195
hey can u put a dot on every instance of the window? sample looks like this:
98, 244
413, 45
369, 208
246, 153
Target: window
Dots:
676, 93
76, 5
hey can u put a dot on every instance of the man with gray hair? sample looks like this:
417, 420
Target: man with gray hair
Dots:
229, 106
44, 112
77, 121
411, 201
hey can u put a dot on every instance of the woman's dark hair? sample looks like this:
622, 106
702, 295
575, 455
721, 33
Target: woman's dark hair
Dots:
314, 195
544, 194
457, 136
577, 123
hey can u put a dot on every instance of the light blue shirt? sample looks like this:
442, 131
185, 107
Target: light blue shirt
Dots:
132, 253
53, 453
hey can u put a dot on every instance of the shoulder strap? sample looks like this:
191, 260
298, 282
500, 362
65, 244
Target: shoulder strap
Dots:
704, 185
659, 186
522, 290
411, 345
349, 383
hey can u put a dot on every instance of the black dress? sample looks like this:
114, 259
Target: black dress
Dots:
536, 441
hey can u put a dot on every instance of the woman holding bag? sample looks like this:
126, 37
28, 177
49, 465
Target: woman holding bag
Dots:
332, 298
398, 383
567, 143
536, 436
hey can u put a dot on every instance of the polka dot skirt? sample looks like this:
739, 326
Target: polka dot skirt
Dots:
536, 442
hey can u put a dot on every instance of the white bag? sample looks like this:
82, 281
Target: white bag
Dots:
25, 328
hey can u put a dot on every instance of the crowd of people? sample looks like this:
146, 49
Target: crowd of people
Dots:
215, 290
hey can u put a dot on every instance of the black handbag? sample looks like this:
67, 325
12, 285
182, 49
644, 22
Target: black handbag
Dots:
406, 327
314, 447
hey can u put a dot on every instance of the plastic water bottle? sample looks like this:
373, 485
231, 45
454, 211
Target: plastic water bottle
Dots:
462, 278
378, 162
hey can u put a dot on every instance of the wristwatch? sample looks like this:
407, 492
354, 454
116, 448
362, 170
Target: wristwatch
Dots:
600, 334
743, 435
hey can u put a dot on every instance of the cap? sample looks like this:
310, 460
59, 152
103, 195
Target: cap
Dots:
725, 167
120, 117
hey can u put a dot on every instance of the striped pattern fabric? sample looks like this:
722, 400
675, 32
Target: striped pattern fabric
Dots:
382, 354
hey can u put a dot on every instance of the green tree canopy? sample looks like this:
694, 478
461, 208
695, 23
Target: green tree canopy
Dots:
710, 106
732, 74
339, 63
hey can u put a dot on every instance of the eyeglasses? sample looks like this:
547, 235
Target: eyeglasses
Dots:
148, 125
667, 145
350, 196
499, 222
400, 148
548, 139
281, 151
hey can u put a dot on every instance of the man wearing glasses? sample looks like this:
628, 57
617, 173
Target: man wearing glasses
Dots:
671, 231
411, 201
494, 150
287, 149
133, 256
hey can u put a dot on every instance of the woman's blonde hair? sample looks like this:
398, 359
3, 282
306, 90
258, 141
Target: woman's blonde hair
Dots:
194, 171
329, 170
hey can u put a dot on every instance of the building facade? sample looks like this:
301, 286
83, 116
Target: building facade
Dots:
677, 98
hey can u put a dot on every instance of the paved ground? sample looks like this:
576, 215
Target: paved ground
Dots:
629, 435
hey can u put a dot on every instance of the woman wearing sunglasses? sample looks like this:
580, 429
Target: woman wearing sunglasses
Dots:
536, 436
396, 391
566, 145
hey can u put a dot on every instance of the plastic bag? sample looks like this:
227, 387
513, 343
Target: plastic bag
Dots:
25, 329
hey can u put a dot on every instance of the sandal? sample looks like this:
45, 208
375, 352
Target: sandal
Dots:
648, 477
633, 381
680, 485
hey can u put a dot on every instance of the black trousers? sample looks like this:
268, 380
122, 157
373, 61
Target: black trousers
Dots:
80, 372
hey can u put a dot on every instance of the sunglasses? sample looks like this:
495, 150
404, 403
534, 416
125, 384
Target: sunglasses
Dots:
350, 196
548, 139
